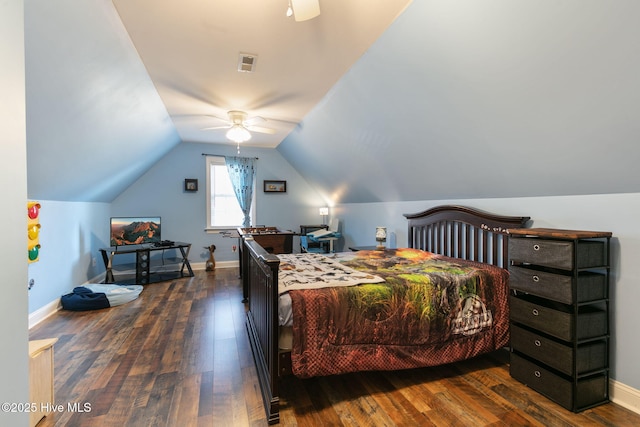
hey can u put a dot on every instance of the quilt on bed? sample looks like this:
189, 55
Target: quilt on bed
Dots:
430, 310
313, 271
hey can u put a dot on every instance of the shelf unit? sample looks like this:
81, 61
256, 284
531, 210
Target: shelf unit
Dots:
559, 311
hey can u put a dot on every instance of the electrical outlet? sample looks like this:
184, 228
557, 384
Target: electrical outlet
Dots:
93, 261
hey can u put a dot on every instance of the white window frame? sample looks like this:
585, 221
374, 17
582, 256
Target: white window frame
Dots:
220, 161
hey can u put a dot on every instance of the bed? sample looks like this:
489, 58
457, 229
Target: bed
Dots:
457, 255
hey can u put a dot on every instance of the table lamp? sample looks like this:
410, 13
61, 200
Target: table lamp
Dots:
323, 213
381, 237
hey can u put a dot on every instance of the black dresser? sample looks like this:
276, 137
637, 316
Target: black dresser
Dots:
559, 307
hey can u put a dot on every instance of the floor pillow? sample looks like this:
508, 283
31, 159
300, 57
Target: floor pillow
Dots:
96, 296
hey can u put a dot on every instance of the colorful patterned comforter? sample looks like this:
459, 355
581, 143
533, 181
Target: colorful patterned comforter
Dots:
430, 310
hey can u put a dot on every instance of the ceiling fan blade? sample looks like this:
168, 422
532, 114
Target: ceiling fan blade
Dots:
261, 129
216, 117
217, 127
254, 120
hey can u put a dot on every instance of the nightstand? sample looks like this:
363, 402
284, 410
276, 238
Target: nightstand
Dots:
559, 314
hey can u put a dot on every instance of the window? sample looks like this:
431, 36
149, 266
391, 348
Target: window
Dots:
223, 210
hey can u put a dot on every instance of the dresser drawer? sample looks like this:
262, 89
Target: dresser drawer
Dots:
558, 254
590, 286
589, 357
589, 391
591, 322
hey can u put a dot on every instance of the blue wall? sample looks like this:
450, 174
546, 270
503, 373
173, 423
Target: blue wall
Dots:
160, 192
70, 235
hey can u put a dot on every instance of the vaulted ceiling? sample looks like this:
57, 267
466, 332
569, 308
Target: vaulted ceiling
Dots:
192, 48
447, 100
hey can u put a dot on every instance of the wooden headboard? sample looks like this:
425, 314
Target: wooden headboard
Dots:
462, 232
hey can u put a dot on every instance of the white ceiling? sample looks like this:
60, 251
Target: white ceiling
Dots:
191, 50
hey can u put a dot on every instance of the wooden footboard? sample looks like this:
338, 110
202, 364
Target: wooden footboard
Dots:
261, 270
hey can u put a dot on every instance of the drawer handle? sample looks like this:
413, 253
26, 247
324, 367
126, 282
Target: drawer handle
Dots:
537, 374
536, 247
535, 312
536, 278
537, 343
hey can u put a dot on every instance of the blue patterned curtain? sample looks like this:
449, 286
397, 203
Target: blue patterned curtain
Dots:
242, 171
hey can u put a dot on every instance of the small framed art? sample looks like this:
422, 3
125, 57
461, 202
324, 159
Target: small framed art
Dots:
190, 185
275, 186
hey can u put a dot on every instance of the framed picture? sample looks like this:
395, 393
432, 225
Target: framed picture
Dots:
190, 185
275, 186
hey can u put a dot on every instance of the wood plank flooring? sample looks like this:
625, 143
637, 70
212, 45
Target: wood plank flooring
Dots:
179, 356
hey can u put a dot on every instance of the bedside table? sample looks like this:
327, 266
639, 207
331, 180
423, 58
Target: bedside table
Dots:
559, 314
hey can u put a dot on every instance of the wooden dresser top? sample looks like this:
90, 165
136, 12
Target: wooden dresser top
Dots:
558, 233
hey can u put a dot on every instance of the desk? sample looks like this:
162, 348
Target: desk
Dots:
328, 239
148, 269
308, 228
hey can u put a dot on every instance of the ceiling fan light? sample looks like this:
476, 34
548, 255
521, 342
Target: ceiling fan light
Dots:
238, 134
306, 9
289, 10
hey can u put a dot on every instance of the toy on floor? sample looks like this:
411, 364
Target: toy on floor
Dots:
211, 264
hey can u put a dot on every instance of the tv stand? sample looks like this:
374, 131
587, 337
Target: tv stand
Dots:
149, 263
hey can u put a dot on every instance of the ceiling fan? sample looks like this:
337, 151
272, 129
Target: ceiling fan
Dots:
303, 10
240, 126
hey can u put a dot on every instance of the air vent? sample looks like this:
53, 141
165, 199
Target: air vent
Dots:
247, 62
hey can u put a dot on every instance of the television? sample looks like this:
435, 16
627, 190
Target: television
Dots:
135, 230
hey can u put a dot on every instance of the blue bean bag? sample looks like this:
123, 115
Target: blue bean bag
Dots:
97, 296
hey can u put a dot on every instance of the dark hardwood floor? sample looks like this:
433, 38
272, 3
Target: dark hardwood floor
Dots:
179, 356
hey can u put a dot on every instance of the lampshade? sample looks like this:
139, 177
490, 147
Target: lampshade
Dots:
324, 211
238, 134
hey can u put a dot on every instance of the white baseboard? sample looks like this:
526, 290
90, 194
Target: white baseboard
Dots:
625, 396
196, 266
43, 312
219, 264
